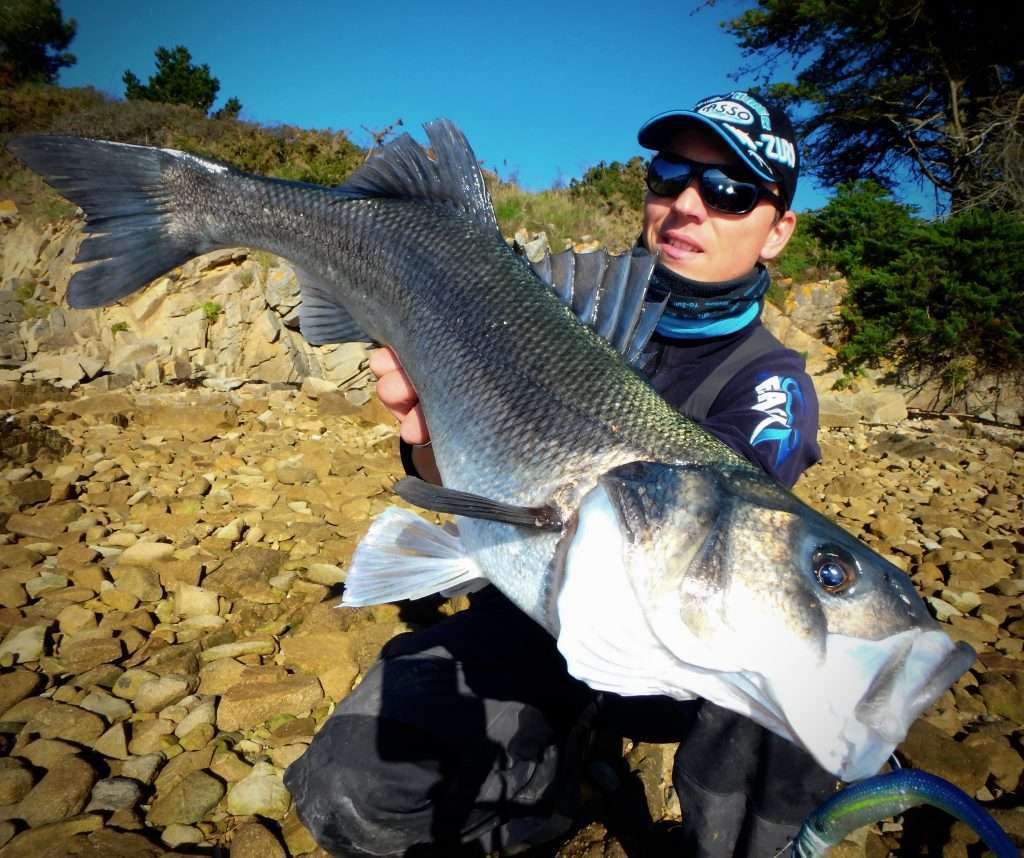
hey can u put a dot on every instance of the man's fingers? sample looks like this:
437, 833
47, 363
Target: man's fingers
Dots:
383, 361
396, 393
414, 427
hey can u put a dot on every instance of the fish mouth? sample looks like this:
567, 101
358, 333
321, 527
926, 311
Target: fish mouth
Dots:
869, 694
891, 703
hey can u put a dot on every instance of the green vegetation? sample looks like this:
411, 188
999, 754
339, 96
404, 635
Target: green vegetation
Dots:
212, 310
320, 156
118, 327
891, 86
177, 81
940, 298
33, 41
606, 203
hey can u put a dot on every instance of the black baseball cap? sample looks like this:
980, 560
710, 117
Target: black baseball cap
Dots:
760, 133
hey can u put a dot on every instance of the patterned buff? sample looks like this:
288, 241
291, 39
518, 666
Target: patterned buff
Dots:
698, 310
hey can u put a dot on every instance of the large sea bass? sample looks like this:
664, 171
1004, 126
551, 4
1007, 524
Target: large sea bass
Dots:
661, 560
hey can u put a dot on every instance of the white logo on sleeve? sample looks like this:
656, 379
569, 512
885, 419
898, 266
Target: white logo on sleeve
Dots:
778, 398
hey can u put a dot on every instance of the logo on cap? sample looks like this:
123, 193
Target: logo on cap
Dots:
728, 111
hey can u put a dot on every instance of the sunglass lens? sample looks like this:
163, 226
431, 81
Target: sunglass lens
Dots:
727, 195
668, 178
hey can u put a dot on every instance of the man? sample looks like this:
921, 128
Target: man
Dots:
470, 734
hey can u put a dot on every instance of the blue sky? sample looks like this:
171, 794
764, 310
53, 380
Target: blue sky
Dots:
542, 90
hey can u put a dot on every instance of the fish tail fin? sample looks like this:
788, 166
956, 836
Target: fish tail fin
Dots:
404, 557
135, 229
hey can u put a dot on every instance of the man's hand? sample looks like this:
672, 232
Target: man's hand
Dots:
399, 396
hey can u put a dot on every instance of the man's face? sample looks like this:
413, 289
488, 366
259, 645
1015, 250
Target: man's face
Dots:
704, 244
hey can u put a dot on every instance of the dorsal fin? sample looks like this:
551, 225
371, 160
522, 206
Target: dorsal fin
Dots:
448, 173
607, 294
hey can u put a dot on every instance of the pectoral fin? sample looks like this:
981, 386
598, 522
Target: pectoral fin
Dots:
440, 499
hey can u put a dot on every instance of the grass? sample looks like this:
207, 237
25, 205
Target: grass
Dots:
211, 311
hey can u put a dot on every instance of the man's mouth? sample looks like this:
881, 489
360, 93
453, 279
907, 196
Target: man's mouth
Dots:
679, 247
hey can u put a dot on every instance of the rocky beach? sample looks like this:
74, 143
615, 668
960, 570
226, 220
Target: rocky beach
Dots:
183, 481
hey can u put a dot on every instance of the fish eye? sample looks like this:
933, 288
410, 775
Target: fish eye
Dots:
834, 570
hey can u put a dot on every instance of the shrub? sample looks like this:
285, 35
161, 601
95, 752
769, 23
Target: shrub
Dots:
948, 299
211, 310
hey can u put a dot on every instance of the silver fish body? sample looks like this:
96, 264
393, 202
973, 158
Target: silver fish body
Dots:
682, 569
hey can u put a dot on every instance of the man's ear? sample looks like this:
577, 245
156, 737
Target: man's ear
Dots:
778, 235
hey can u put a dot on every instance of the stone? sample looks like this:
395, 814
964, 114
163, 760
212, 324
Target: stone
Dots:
84, 655
253, 646
176, 834
181, 766
190, 601
113, 743
145, 553
57, 840
129, 682
253, 840
228, 766
111, 708
158, 693
16, 685
325, 573
189, 801
16, 781
142, 768
116, 793
249, 704
152, 736
245, 574
220, 675
24, 645
261, 793
64, 721
204, 713
62, 793
142, 583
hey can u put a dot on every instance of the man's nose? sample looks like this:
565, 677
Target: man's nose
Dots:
690, 202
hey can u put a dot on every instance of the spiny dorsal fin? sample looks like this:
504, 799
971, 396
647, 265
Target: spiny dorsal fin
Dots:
607, 294
405, 170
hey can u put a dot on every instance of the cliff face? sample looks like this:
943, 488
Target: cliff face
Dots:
231, 317
223, 319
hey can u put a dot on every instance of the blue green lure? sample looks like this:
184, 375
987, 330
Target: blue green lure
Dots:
887, 795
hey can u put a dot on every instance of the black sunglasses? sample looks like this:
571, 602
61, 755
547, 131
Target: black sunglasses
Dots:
669, 175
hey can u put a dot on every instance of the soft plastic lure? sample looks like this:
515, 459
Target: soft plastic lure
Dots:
887, 795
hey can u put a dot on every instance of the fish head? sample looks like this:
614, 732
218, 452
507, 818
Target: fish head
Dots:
766, 607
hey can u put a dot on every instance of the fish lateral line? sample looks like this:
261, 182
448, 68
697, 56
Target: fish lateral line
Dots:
441, 499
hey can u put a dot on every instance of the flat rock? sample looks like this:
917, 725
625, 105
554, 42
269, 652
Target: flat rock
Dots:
188, 801
140, 582
24, 645
83, 655
261, 793
62, 793
16, 685
154, 695
117, 793
253, 840
144, 553
245, 574
64, 721
246, 705
57, 840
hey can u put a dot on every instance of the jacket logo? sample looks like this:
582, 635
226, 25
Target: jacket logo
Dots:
778, 398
